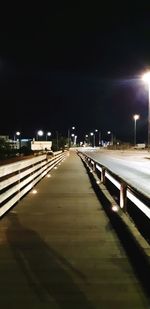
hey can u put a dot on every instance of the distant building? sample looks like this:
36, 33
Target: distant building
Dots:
14, 144
41, 145
5, 137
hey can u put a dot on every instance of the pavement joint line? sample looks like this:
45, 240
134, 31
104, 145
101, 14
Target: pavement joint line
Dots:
140, 240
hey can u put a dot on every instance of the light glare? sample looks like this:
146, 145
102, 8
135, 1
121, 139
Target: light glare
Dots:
136, 117
48, 175
146, 77
40, 133
115, 208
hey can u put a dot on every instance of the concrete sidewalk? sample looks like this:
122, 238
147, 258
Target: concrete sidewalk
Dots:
58, 249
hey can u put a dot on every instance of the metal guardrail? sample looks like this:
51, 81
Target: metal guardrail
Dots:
126, 191
16, 179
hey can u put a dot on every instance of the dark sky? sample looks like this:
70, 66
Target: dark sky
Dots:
79, 65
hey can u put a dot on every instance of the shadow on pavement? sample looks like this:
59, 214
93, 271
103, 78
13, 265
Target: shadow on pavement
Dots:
49, 275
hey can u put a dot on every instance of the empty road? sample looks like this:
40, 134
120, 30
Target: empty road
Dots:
132, 166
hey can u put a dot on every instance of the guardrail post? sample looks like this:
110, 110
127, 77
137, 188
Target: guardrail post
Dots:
123, 196
89, 163
18, 182
94, 167
103, 175
86, 160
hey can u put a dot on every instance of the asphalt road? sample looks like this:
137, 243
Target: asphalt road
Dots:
132, 166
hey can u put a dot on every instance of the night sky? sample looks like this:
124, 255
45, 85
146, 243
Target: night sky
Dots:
79, 65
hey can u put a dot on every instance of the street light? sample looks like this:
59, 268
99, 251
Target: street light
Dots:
146, 79
92, 134
48, 134
99, 136
39, 133
112, 138
73, 135
18, 134
86, 139
96, 131
135, 117
73, 128
75, 139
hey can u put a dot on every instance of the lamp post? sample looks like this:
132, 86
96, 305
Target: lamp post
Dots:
112, 139
86, 139
99, 136
73, 128
48, 134
19, 134
39, 133
73, 135
75, 139
92, 134
16, 134
135, 117
96, 131
146, 79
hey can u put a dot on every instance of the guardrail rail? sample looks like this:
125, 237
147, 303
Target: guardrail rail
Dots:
127, 192
16, 179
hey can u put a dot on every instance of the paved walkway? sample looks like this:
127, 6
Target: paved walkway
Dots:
58, 250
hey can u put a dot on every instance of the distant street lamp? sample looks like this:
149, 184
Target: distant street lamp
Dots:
146, 79
18, 134
39, 133
86, 139
48, 134
73, 135
99, 136
75, 139
96, 131
92, 134
112, 138
73, 128
135, 117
